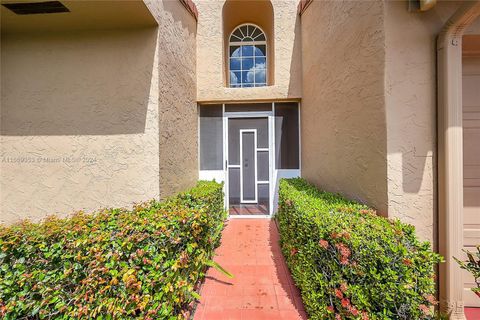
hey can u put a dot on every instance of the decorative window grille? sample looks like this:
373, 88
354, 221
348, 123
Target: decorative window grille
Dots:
247, 57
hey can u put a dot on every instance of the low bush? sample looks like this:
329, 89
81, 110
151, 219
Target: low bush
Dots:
114, 264
350, 263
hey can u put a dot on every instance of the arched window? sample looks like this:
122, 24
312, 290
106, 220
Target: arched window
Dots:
247, 57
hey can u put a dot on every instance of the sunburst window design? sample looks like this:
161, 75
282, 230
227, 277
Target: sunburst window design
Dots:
247, 57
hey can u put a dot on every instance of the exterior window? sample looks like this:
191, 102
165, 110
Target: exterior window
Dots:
247, 57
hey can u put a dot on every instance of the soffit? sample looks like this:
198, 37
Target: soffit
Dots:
83, 15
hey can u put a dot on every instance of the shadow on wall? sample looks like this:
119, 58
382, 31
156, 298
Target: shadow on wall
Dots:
343, 121
296, 62
413, 170
412, 68
80, 83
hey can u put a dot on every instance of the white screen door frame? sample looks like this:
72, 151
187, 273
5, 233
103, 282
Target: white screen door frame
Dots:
255, 156
252, 114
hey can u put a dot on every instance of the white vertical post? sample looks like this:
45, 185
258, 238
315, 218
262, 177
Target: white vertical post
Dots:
273, 176
225, 158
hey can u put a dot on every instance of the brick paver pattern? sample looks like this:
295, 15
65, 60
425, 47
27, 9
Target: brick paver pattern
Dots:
262, 287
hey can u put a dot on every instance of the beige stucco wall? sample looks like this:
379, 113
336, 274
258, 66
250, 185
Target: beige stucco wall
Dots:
369, 104
178, 120
343, 115
88, 118
210, 55
411, 100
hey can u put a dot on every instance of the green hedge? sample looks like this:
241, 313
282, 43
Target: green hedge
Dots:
350, 263
143, 263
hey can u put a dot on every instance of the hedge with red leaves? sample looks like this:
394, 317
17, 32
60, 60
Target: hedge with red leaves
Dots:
350, 263
115, 264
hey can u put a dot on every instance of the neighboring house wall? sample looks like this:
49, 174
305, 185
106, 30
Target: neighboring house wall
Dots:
97, 118
343, 104
211, 75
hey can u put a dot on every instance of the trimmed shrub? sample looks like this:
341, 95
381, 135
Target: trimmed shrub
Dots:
114, 264
350, 263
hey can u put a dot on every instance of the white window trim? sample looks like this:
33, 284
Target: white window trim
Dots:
246, 43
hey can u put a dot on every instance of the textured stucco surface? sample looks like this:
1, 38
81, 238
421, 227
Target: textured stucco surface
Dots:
410, 96
88, 119
369, 104
178, 120
211, 83
343, 109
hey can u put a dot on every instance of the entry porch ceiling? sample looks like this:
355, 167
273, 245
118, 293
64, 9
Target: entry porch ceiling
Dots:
83, 15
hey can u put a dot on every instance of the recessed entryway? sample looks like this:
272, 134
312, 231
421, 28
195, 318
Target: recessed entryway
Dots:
249, 146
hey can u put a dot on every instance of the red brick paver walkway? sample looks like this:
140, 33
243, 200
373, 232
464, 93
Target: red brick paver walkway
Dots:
472, 313
262, 287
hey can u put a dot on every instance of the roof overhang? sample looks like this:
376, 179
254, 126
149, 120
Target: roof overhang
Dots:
83, 15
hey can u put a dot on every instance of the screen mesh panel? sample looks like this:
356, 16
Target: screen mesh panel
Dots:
263, 160
247, 107
248, 165
287, 151
263, 195
234, 126
234, 185
211, 137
